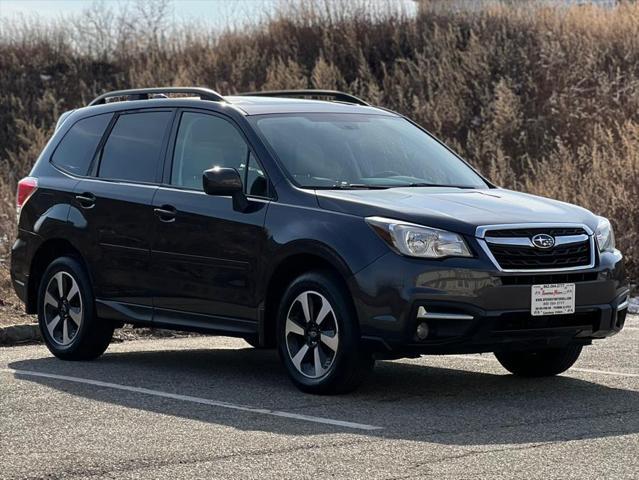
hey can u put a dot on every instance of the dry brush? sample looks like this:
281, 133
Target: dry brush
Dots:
540, 99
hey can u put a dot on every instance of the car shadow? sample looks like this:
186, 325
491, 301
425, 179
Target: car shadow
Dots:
409, 401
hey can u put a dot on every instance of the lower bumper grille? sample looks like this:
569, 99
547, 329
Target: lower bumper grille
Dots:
550, 278
524, 321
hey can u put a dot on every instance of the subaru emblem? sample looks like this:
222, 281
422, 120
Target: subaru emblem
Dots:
543, 241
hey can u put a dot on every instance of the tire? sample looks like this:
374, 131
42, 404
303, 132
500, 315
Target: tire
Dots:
539, 363
334, 360
77, 333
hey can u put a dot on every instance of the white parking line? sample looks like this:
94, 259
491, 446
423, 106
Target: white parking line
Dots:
574, 369
188, 398
605, 372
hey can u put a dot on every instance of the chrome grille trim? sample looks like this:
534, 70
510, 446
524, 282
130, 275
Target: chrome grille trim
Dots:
570, 239
483, 240
514, 241
480, 232
525, 241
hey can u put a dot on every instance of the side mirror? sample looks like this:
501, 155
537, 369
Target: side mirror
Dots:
223, 181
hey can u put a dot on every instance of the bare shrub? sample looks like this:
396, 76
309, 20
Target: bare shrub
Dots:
538, 98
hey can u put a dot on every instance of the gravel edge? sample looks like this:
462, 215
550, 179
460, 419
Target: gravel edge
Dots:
28, 334
13, 335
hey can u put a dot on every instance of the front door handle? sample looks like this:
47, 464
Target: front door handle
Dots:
166, 213
86, 200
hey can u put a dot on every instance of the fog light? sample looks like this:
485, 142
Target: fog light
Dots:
422, 331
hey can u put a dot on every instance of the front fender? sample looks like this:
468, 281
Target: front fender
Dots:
346, 241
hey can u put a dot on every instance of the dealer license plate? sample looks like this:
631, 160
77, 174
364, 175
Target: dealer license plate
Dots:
553, 299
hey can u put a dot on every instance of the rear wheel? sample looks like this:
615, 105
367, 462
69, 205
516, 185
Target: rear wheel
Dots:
539, 363
66, 313
318, 336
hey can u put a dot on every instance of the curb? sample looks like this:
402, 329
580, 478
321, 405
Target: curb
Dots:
19, 334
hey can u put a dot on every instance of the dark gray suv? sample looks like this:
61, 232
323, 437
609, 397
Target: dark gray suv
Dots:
335, 231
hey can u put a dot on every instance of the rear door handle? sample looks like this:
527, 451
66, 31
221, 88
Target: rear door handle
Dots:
86, 200
165, 213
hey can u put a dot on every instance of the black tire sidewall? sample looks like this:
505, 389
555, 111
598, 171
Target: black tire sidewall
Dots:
540, 363
74, 268
349, 342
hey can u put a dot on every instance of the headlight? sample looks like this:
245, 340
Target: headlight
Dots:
605, 235
418, 241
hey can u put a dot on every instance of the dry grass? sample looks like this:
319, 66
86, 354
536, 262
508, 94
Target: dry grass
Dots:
539, 99
11, 308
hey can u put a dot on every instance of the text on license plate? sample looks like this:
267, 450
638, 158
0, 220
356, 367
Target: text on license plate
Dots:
553, 299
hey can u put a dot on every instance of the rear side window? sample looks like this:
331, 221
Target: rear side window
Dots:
132, 151
76, 150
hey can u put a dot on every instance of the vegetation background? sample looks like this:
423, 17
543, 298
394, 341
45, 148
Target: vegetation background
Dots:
539, 98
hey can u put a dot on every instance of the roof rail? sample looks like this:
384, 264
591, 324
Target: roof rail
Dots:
143, 94
334, 94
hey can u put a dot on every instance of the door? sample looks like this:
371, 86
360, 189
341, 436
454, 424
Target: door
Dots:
116, 205
205, 253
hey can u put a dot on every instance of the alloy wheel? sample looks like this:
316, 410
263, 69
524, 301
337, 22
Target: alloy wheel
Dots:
312, 334
63, 311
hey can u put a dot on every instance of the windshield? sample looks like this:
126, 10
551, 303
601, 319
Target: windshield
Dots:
327, 150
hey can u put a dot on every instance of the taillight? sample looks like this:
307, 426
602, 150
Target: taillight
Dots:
26, 187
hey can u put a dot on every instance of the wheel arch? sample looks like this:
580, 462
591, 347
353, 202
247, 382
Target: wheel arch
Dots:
46, 253
298, 260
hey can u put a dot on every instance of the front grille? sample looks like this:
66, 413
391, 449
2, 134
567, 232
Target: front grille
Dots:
564, 256
528, 257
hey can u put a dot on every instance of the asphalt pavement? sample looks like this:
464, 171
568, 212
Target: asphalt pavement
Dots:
213, 407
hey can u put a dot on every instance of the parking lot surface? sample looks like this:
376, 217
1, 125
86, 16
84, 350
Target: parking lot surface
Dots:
212, 407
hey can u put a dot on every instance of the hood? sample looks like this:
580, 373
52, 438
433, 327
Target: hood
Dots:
454, 209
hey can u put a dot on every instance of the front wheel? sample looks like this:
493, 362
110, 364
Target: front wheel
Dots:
318, 336
66, 313
539, 363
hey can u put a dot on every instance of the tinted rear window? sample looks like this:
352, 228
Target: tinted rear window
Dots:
76, 150
132, 151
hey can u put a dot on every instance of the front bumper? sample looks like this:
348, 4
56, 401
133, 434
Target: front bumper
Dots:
470, 307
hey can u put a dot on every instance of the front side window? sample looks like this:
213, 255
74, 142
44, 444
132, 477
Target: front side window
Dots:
327, 150
132, 151
77, 148
256, 183
203, 142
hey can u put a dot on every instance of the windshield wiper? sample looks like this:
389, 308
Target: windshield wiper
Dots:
366, 186
357, 186
419, 184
